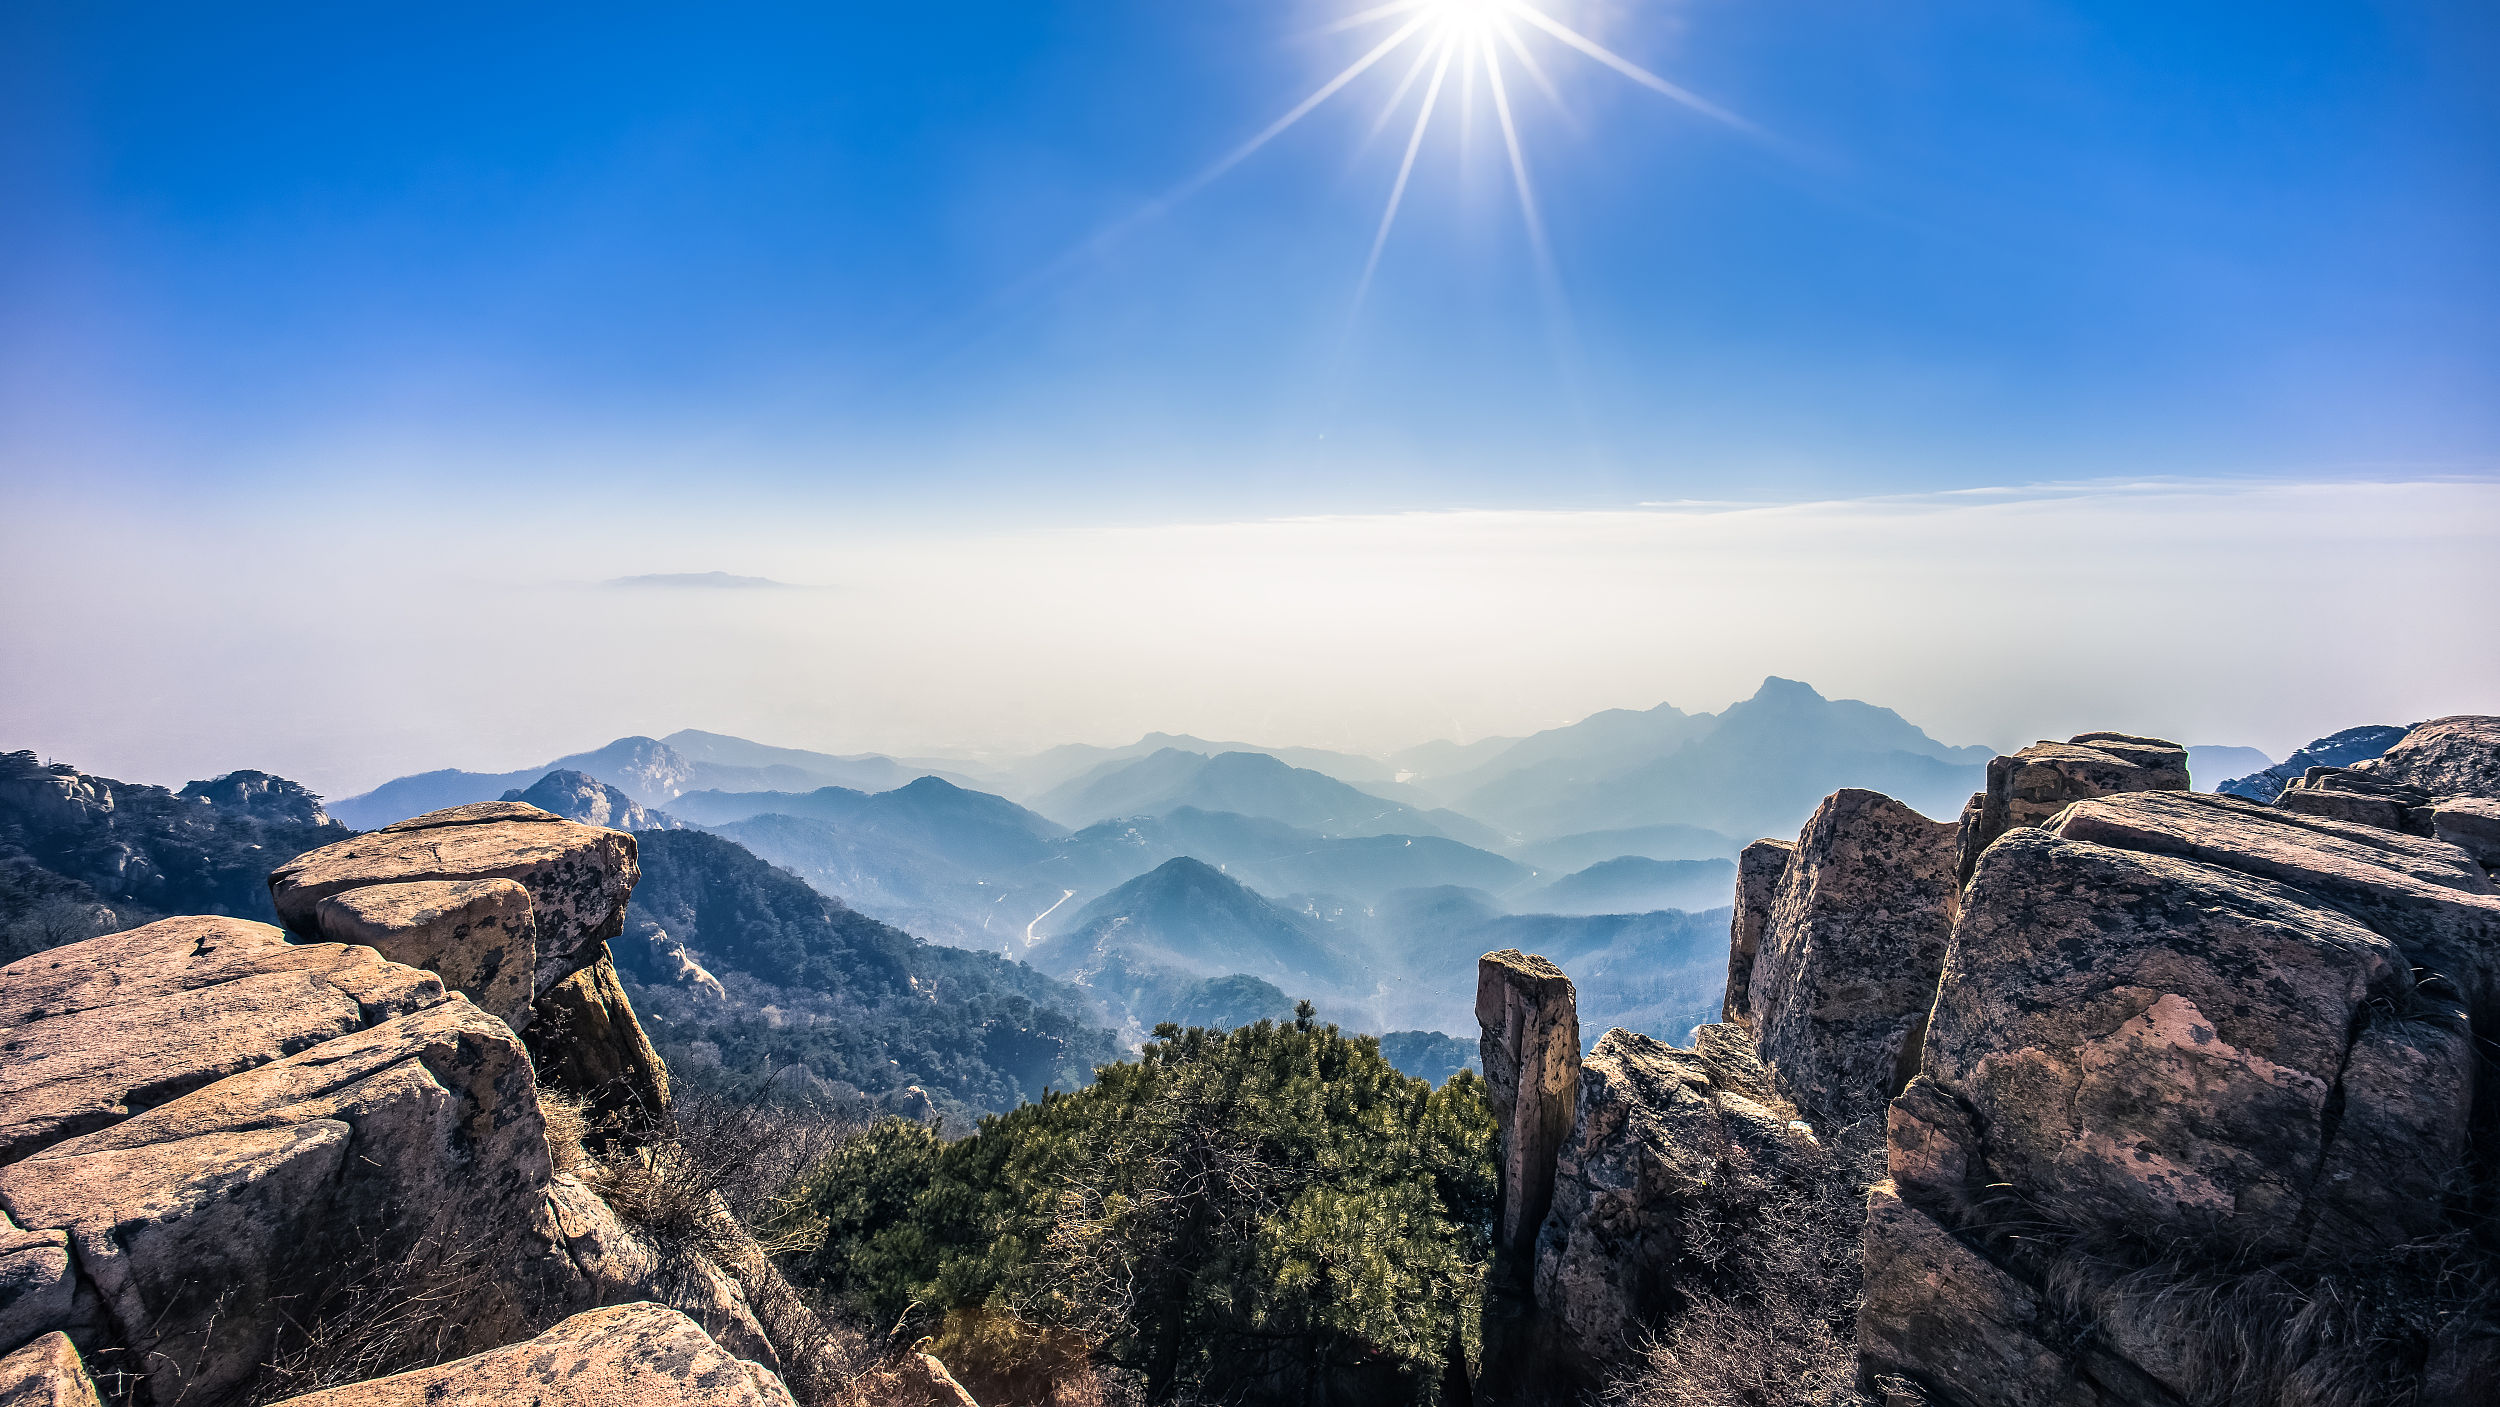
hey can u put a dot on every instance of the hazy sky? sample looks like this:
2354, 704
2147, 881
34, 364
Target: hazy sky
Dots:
341, 346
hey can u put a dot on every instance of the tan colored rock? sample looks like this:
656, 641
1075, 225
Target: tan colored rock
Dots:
635, 1355
1849, 958
2471, 824
1759, 871
1655, 1129
2446, 909
46, 1373
475, 813
620, 1266
95, 1031
2454, 756
578, 877
592, 1045
2339, 794
1945, 1317
205, 1222
38, 1290
475, 934
2150, 1042
2026, 788
1531, 1053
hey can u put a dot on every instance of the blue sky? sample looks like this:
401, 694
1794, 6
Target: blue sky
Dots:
2025, 366
807, 251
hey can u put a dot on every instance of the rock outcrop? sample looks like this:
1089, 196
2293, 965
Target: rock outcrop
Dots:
46, 1373
2455, 756
2176, 1038
202, 1224
478, 935
215, 1140
1839, 991
634, 1355
98, 1031
1531, 1050
2026, 788
597, 1047
578, 877
1657, 1133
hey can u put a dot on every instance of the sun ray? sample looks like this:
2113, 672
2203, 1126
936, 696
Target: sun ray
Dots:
1406, 167
1405, 85
1528, 61
1518, 162
1299, 111
1622, 65
1376, 12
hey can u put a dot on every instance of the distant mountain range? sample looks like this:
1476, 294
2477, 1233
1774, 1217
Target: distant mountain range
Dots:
653, 771
1145, 870
1757, 769
1249, 784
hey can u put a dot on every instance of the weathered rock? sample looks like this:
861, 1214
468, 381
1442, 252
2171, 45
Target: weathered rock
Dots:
2335, 794
1656, 1130
46, 1373
414, 1147
578, 877
2455, 756
620, 1266
38, 1290
93, 1032
1848, 963
474, 814
1943, 1315
2471, 824
635, 1355
2026, 788
1531, 1051
2152, 1042
2429, 897
475, 934
1759, 871
590, 1044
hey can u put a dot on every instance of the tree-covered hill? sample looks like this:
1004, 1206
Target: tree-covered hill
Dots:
82, 854
820, 999
1267, 1215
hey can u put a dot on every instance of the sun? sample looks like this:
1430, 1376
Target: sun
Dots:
1463, 41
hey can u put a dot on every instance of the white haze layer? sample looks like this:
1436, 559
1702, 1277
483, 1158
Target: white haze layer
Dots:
349, 644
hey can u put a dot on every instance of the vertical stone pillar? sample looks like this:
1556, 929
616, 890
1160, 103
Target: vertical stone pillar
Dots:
1531, 1048
1758, 874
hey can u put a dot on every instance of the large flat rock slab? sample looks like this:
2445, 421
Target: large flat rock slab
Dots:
578, 877
207, 1223
95, 1032
2426, 896
2146, 1041
634, 1355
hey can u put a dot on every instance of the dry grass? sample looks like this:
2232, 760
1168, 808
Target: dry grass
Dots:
1768, 1282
